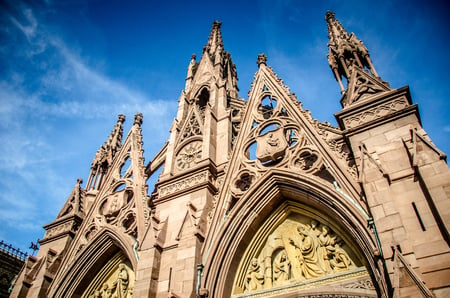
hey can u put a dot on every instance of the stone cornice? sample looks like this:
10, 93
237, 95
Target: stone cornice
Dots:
61, 228
376, 110
188, 181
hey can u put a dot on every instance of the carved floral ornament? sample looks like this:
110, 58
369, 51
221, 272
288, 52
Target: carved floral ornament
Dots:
301, 250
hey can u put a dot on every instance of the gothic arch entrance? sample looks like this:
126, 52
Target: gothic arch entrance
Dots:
114, 279
105, 268
300, 250
270, 228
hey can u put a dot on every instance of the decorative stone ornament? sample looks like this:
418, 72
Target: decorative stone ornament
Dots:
189, 155
271, 146
299, 251
115, 281
262, 59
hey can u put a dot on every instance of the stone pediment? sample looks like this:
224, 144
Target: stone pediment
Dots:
278, 133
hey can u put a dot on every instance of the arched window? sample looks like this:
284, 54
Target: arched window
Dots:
203, 98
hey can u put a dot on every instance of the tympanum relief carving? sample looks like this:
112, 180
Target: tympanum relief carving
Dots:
119, 284
300, 249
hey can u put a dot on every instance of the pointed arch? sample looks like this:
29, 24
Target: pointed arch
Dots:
278, 187
202, 98
106, 245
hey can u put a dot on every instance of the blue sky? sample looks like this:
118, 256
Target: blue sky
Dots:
68, 68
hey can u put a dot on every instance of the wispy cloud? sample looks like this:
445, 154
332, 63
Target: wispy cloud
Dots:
47, 88
29, 29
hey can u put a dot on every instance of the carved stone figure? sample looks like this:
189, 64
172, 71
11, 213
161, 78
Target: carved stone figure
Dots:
341, 261
326, 248
307, 256
314, 232
106, 291
281, 269
254, 278
121, 284
96, 294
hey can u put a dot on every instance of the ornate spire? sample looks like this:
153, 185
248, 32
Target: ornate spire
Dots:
215, 38
104, 156
220, 59
346, 51
114, 141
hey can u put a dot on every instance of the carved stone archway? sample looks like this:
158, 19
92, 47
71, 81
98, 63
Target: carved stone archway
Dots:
296, 249
100, 262
114, 279
267, 205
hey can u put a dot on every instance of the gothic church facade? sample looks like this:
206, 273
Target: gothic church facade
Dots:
256, 198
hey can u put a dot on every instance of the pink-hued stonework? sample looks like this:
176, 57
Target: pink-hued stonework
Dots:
256, 198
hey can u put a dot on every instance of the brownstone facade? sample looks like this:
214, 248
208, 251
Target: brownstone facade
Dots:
256, 198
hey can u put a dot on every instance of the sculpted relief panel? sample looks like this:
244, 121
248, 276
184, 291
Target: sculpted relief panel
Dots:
117, 283
299, 250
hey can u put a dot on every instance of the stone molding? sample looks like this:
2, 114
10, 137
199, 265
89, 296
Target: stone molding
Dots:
186, 182
376, 109
339, 286
375, 112
61, 227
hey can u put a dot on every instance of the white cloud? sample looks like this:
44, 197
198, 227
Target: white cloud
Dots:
41, 107
28, 30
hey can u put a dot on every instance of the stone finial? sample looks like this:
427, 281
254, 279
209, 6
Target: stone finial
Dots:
262, 59
79, 181
138, 119
217, 24
329, 15
121, 118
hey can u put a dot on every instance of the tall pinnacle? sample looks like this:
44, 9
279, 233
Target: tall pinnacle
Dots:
215, 38
104, 156
114, 142
220, 59
346, 51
